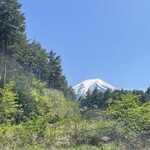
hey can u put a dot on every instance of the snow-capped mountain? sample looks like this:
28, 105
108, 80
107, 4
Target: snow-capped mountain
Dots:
89, 85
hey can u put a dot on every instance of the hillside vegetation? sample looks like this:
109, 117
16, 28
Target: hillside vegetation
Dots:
38, 110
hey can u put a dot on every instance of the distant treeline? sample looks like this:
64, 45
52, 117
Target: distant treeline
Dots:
100, 99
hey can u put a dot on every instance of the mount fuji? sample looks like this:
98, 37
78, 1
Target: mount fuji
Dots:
91, 84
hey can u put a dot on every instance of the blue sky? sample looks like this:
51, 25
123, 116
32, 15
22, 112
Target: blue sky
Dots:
106, 39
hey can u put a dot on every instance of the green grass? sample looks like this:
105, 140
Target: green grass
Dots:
110, 146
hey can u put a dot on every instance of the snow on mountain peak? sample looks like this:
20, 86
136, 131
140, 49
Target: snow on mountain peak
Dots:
91, 84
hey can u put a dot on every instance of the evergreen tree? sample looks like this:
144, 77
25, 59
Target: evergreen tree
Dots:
147, 95
11, 23
55, 76
56, 79
34, 59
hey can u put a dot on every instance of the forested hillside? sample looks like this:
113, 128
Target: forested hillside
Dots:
39, 110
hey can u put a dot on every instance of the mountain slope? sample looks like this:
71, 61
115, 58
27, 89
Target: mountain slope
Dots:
89, 85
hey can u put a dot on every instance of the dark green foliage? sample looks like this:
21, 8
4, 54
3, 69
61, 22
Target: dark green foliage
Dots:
11, 23
96, 99
146, 96
35, 60
141, 94
55, 71
56, 79
99, 99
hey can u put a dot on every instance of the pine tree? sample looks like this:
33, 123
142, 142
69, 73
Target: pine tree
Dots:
147, 95
55, 76
11, 23
56, 79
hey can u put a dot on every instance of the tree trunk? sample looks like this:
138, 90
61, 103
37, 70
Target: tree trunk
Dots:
5, 74
1, 66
